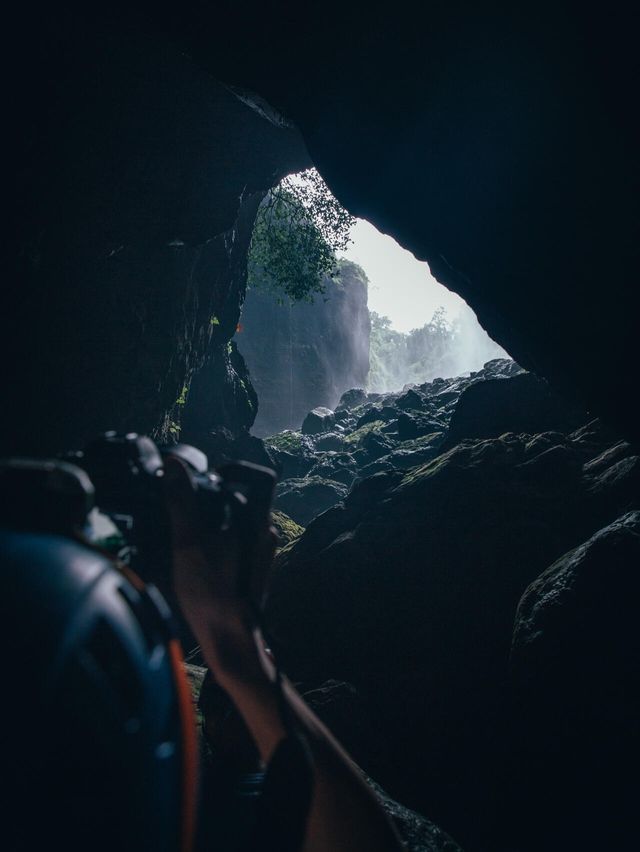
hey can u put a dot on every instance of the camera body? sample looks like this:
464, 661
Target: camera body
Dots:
111, 494
127, 472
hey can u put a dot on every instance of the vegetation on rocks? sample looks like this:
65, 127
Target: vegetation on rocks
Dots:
288, 530
289, 441
356, 437
371, 433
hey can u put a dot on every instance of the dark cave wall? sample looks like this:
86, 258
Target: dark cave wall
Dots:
138, 180
499, 144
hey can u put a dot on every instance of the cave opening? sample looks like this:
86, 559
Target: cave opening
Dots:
378, 321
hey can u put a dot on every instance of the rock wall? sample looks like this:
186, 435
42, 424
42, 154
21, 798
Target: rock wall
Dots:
139, 177
497, 145
574, 667
305, 355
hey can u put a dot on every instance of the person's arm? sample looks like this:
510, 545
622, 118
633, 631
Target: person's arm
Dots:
344, 814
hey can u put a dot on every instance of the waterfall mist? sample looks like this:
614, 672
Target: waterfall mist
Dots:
420, 329
305, 354
442, 347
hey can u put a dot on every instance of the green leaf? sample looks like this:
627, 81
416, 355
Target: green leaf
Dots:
298, 229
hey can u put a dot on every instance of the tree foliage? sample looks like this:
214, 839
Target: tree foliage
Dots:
397, 358
298, 230
442, 347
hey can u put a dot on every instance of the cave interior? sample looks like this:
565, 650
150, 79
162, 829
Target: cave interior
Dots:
498, 145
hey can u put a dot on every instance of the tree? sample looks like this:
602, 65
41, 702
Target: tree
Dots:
387, 355
298, 230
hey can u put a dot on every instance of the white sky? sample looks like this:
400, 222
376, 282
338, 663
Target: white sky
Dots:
400, 287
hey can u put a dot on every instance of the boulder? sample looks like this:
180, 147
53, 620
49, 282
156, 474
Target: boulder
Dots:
366, 492
288, 530
348, 717
574, 663
292, 453
410, 400
351, 398
355, 438
338, 466
415, 425
523, 403
416, 453
303, 499
375, 445
501, 368
386, 413
417, 833
409, 589
381, 465
318, 420
221, 446
292, 465
329, 441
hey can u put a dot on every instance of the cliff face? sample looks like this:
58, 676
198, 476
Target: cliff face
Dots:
138, 179
307, 354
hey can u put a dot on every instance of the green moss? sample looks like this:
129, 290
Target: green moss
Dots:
182, 399
247, 395
418, 474
355, 437
359, 410
419, 443
288, 529
288, 441
213, 320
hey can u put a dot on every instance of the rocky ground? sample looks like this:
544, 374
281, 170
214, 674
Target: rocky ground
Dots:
494, 693
371, 433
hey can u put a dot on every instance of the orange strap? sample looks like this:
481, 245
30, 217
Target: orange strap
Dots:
189, 747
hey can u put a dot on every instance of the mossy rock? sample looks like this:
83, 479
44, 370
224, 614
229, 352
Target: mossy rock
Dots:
355, 438
305, 497
415, 444
289, 442
288, 529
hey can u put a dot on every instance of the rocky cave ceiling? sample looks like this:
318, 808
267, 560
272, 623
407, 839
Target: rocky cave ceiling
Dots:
499, 145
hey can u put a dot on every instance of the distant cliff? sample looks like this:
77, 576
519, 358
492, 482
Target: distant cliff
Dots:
304, 354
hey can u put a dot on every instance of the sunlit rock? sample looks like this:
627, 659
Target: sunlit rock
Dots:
319, 420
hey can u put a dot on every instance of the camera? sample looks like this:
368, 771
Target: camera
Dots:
111, 495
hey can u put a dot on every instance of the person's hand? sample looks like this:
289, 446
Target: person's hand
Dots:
207, 563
